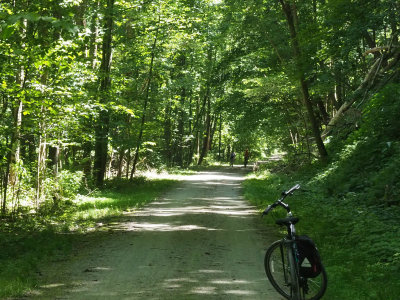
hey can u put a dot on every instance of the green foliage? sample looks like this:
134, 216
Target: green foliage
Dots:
381, 115
65, 186
222, 72
350, 206
69, 183
358, 244
27, 242
369, 163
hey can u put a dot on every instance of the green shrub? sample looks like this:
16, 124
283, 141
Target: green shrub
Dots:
352, 207
69, 183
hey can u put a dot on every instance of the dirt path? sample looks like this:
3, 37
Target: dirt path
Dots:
200, 241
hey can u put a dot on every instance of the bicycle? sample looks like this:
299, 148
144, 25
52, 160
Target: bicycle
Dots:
292, 264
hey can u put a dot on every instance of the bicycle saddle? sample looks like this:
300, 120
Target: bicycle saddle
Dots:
287, 221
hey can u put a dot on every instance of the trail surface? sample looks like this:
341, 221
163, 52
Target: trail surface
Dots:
201, 240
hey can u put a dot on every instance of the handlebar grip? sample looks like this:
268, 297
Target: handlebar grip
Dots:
296, 187
267, 210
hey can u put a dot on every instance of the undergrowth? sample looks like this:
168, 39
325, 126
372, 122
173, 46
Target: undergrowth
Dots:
350, 206
28, 241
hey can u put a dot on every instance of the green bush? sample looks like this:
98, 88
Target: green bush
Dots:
69, 183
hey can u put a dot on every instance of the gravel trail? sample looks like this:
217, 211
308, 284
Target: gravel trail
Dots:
201, 240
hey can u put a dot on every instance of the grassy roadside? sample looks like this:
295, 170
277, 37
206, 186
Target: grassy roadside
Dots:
30, 241
358, 243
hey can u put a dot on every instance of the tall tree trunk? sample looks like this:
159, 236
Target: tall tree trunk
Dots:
13, 155
190, 142
289, 9
220, 137
196, 129
214, 121
322, 111
146, 100
121, 154
102, 126
168, 133
181, 129
92, 58
54, 154
206, 107
128, 162
41, 160
207, 132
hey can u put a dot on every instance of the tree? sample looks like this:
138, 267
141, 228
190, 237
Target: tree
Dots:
102, 125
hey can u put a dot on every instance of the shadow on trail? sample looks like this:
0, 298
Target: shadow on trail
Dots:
201, 240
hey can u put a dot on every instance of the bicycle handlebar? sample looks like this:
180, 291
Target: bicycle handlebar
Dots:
280, 201
292, 189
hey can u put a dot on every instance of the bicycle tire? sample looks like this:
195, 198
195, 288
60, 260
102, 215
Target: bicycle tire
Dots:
277, 269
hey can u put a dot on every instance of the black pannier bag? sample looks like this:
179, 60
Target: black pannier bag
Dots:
309, 258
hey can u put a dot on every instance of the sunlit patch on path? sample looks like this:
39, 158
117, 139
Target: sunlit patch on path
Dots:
200, 240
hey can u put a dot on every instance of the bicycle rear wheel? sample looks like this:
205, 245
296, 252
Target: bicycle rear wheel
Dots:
283, 275
277, 268
314, 288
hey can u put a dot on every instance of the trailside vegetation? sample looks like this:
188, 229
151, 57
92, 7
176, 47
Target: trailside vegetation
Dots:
350, 206
29, 242
97, 90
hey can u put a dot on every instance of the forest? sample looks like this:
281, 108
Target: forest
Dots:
94, 92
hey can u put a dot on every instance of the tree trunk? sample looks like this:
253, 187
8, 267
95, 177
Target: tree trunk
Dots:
13, 155
167, 133
291, 16
207, 133
120, 162
54, 154
190, 142
146, 100
181, 129
41, 161
220, 137
102, 126
128, 163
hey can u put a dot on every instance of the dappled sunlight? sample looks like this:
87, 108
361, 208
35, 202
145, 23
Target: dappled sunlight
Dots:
240, 292
52, 285
206, 290
203, 199
162, 227
194, 242
210, 271
196, 210
225, 281
210, 286
184, 279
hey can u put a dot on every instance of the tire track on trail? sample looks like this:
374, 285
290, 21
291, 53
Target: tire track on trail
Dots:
201, 240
